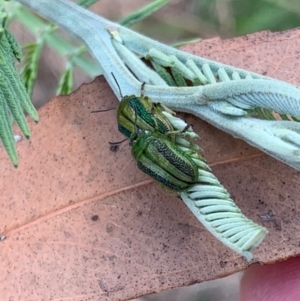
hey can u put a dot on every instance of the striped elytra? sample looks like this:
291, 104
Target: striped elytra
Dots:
140, 113
165, 162
153, 143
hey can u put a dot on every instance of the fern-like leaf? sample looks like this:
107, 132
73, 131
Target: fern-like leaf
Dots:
14, 100
30, 65
65, 85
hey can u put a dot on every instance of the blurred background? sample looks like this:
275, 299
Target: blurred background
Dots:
179, 20
182, 19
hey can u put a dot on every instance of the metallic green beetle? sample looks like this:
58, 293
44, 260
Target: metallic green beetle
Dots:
153, 143
163, 161
139, 114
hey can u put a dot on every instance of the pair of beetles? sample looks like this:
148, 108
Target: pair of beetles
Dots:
153, 144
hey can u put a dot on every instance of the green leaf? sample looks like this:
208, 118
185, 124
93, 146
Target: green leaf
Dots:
14, 100
30, 65
6, 134
86, 3
65, 85
143, 13
186, 42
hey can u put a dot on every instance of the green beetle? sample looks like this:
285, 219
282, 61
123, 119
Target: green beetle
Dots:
163, 161
153, 142
140, 113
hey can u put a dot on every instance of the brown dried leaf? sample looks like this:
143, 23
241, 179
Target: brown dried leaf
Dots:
83, 223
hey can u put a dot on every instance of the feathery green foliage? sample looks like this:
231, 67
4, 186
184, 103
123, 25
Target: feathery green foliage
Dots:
65, 85
14, 100
30, 63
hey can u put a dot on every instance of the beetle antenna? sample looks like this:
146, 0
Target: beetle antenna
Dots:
143, 89
112, 143
117, 84
105, 110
